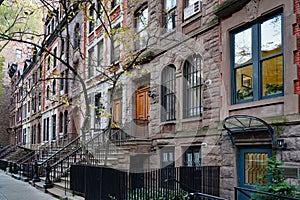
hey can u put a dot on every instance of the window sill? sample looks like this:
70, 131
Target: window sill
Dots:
168, 122
260, 103
165, 33
191, 119
191, 19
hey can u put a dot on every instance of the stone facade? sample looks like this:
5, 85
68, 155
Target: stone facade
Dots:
282, 113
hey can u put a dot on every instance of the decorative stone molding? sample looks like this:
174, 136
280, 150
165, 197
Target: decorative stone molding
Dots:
252, 9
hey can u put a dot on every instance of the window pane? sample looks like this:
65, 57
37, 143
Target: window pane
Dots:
141, 25
192, 87
169, 4
191, 2
243, 47
271, 37
272, 76
168, 95
255, 165
244, 83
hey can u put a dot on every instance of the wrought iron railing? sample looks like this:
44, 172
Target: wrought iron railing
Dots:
50, 148
8, 151
58, 155
63, 166
105, 183
247, 193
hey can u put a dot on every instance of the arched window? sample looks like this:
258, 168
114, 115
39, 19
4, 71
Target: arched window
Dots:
168, 100
192, 87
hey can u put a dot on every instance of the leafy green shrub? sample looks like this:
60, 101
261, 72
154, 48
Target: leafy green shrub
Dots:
276, 183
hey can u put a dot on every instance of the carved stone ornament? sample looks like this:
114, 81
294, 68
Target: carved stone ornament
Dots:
252, 8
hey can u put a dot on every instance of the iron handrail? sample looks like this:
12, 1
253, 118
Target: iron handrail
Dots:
49, 145
4, 149
240, 189
26, 157
60, 150
8, 150
195, 194
61, 161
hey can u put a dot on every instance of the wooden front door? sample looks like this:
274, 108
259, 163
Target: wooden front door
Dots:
142, 111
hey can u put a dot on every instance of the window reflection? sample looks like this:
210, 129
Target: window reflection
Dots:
244, 83
243, 47
271, 36
272, 76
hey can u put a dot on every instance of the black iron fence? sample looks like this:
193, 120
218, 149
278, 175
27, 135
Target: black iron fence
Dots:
167, 183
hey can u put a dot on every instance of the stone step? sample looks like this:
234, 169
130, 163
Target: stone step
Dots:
58, 190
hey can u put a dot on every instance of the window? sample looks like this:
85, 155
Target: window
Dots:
40, 72
40, 100
113, 4
24, 136
100, 53
62, 50
115, 46
48, 62
192, 157
33, 133
48, 29
61, 122
53, 127
141, 27
98, 108
167, 157
168, 93
48, 92
169, 18
91, 62
66, 81
54, 87
52, 25
100, 12
62, 80
46, 129
66, 123
77, 36
18, 53
257, 61
54, 57
28, 109
192, 87
91, 19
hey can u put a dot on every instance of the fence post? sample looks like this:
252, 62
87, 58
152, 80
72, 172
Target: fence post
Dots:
36, 177
48, 183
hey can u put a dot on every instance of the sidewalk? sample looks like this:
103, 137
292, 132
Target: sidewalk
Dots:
12, 189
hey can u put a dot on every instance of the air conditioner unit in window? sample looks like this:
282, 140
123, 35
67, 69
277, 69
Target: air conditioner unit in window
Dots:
192, 9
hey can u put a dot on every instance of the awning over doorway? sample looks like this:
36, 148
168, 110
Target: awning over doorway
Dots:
245, 124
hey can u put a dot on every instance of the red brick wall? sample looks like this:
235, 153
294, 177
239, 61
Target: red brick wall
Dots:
296, 30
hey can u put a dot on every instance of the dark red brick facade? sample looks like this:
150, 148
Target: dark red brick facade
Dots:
296, 30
